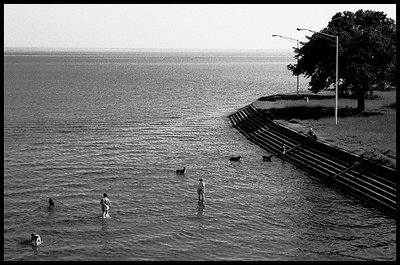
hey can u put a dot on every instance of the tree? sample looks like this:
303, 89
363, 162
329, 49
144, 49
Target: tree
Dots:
367, 55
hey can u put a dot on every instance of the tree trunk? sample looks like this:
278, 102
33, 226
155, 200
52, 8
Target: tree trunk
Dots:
360, 101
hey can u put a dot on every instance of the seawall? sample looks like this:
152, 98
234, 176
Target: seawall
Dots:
374, 184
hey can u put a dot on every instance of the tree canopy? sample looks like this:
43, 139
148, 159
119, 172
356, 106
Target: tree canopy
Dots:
367, 54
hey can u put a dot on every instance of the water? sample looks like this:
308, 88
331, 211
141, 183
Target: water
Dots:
78, 124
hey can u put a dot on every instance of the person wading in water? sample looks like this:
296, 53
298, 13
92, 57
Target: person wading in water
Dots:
105, 205
201, 189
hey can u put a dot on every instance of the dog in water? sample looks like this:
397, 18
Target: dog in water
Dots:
237, 158
181, 171
51, 203
267, 158
35, 239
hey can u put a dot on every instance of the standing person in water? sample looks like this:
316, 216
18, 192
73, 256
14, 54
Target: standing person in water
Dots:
105, 205
201, 189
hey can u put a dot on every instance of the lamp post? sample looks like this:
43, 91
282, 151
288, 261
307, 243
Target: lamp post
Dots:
297, 41
337, 63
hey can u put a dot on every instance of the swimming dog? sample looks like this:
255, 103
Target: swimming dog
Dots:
51, 203
267, 158
181, 171
235, 158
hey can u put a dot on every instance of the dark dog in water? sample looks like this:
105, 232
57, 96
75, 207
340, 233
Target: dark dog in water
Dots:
181, 171
237, 158
267, 158
51, 203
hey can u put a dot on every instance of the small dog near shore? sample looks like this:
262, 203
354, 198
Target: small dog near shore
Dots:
237, 158
181, 171
267, 158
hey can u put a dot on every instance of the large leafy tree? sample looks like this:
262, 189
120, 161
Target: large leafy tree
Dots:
367, 55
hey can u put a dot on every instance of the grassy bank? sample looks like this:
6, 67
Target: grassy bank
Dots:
371, 134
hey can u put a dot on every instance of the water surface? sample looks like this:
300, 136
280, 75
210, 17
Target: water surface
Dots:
78, 124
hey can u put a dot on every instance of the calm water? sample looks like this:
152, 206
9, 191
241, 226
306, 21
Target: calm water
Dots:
78, 124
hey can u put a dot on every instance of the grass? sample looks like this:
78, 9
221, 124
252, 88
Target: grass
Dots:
371, 134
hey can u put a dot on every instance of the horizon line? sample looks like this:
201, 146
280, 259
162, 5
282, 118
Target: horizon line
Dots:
135, 49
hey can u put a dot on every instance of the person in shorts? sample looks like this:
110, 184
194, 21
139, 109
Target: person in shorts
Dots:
201, 189
105, 205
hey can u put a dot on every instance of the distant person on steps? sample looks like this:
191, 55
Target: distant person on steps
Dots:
312, 134
105, 205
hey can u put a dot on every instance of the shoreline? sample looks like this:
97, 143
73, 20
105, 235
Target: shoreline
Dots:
371, 134
357, 175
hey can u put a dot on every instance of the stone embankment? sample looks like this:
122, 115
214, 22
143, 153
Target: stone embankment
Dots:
373, 183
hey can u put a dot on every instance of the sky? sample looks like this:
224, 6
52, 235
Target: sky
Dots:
169, 26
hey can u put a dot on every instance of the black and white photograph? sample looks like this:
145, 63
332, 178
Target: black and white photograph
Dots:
199, 132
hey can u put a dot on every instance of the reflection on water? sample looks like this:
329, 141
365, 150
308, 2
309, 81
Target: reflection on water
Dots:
104, 232
200, 207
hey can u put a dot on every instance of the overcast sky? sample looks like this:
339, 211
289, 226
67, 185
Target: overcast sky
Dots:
181, 26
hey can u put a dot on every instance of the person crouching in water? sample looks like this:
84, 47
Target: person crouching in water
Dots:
35, 239
105, 205
201, 189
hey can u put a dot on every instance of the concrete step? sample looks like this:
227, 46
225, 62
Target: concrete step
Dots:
335, 166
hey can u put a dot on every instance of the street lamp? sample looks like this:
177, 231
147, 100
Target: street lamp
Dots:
297, 41
337, 63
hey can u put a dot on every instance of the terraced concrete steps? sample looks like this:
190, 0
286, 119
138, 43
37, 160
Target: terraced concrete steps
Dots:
373, 183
